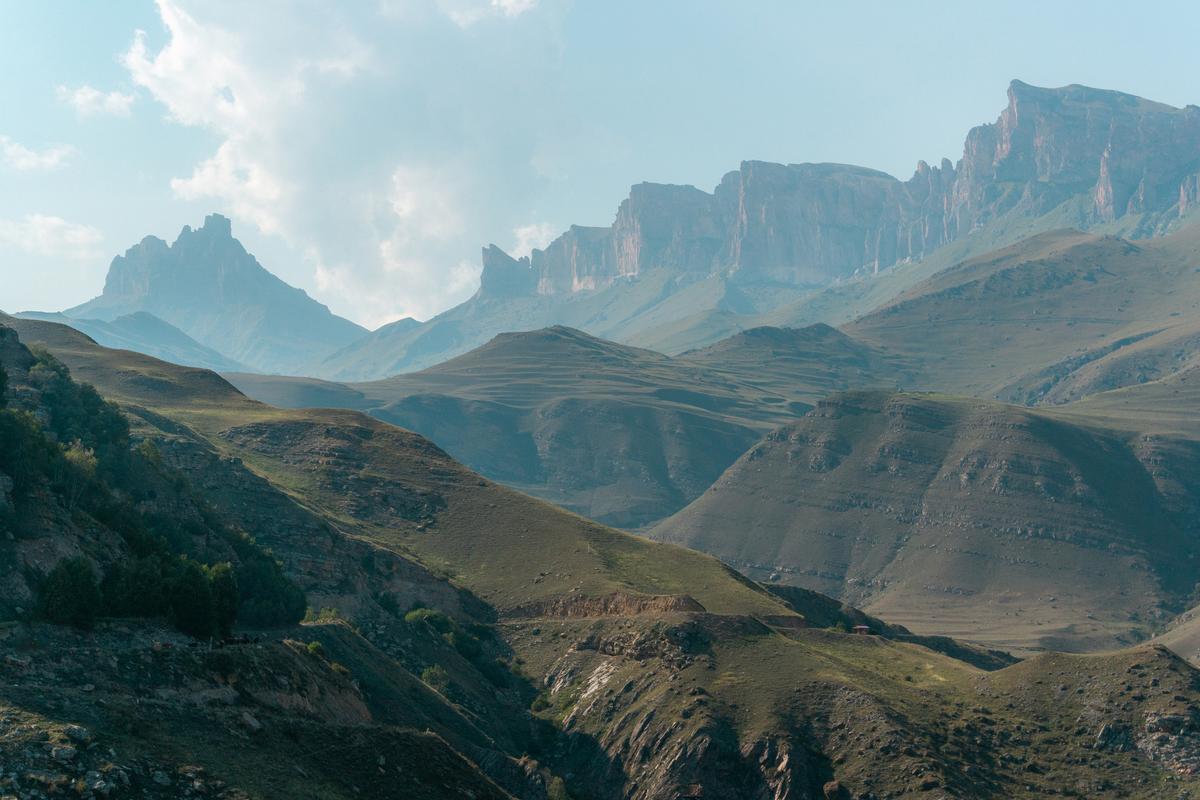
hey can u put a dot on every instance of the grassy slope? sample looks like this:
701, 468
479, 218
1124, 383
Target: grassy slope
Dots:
972, 519
530, 535
620, 434
802, 705
1016, 323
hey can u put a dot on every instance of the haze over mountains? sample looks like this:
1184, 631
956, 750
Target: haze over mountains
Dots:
209, 287
958, 412
679, 268
622, 435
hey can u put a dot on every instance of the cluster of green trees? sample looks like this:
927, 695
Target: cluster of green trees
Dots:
189, 568
200, 600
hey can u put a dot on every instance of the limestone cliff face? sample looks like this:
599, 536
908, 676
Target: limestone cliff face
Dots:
1116, 155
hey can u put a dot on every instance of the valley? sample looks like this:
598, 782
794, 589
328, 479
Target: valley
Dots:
820, 485
658, 669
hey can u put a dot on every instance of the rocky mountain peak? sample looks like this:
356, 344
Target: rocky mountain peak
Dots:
206, 284
217, 225
503, 275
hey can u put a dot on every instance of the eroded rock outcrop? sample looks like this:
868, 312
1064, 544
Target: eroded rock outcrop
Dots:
1112, 154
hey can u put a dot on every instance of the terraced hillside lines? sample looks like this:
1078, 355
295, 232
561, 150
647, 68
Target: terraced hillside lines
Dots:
803, 364
986, 522
1049, 319
622, 435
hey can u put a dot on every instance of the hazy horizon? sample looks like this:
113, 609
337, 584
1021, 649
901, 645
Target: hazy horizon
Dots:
365, 154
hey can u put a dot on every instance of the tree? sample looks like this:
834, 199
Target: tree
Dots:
3, 387
192, 602
70, 594
225, 598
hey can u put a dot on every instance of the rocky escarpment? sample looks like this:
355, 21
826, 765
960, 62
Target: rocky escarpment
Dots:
136, 711
1112, 155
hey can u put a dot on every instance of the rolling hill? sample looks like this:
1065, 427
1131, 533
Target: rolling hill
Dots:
647, 670
622, 435
963, 517
1049, 319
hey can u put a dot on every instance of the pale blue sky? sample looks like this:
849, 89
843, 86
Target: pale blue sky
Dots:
365, 151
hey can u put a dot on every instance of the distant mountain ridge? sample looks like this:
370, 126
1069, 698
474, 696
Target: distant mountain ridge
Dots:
208, 286
765, 246
145, 333
815, 223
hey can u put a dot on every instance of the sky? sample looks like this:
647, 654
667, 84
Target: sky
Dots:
366, 151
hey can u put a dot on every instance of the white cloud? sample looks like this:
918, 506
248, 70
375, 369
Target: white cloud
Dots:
527, 238
43, 235
25, 159
245, 184
465, 13
89, 101
422, 198
358, 138
209, 77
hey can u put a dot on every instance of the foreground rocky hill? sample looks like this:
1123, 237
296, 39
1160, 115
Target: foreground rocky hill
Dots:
558, 658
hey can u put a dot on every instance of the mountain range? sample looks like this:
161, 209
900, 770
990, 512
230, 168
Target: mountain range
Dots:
820, 485
680, 268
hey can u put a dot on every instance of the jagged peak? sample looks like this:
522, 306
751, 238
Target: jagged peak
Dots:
218, 225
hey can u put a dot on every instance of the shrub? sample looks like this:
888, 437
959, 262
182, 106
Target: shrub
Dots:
466, 644
80, 470
436, 678
69, 595
316, 649
136, 588
433, 618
